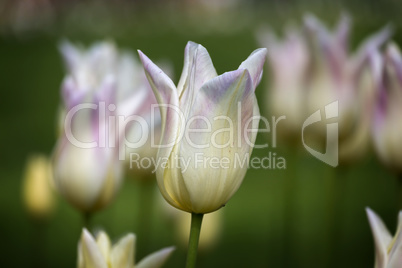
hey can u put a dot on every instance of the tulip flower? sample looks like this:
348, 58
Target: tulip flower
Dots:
313, 68
388, 249
205, 116
338, 75
37, 188
387, 127
87, 171
289, 61
99, 253
201, 92
134, 97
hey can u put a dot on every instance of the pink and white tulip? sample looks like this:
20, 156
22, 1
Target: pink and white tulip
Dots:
195, 114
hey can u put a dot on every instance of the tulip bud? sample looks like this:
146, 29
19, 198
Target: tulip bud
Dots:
37, 189
205, 117
98, 252
388, 249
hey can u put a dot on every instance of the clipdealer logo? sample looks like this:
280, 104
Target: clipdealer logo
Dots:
330, 156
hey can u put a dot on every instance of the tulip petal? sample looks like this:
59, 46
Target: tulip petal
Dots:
395, 250
80, 259
314, 25
79, 176
91, 254
72, 54
102, 57
394, 56
371, 44
342, 32
156, 259
210, 188
104, 245
382, 238
72, 95
254, 64
163, 87
376, 67
198, 68
166, 95
122, 255
172, 124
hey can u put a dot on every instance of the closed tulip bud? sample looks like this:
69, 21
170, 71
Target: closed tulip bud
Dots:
388, 248
205, 117
98, 252
387, 127
86, 168
37, 187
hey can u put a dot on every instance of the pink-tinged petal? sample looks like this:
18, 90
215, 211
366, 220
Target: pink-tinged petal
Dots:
393, 55
314, 25
210, 188
156, 259
72, 55
254, 64
371, 44
172, 122
102, 57
289, 60
103, 97
91, 254
198, 68
342, 32
72, 95
166, 95
377, 68
395, 254
382, 238
162, 86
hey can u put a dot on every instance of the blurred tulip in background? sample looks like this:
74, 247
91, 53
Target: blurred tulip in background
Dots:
386, 123
38, 187
99, 253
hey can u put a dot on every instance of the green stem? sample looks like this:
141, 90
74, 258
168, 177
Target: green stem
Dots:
196, 221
